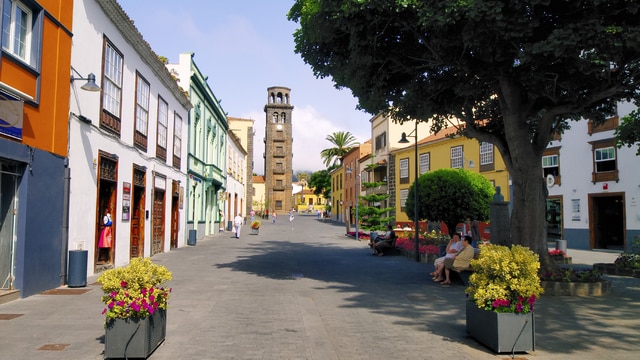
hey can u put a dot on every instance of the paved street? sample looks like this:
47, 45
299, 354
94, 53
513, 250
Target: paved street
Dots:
306, 291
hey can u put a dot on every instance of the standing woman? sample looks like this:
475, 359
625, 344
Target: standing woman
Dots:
105, 241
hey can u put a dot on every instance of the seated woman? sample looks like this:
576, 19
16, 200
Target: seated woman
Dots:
461, 260
385, 241
453, 247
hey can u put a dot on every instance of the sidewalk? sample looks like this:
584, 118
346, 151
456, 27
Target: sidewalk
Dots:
306, 291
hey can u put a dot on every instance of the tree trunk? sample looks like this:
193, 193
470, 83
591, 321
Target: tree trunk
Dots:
523, 157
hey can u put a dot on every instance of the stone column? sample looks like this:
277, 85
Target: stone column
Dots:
499, 217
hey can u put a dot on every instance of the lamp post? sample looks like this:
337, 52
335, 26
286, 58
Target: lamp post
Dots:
349, 171
404, 140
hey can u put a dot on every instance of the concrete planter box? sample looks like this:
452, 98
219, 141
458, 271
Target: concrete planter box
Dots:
561, 260
134, 338
255, 231
501, 332
612, 269
557, 288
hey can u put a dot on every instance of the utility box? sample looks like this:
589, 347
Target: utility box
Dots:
77, 271
192, 237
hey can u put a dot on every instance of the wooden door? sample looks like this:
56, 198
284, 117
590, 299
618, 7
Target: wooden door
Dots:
157, 237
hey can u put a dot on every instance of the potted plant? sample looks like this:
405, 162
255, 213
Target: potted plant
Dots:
502, 291
255, 227
136, 304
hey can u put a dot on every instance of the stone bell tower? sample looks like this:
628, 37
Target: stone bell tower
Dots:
278, 150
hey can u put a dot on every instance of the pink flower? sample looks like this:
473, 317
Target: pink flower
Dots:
123, 284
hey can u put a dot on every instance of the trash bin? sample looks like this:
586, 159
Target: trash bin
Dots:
562, 245
77, 271
229, 225
192, 237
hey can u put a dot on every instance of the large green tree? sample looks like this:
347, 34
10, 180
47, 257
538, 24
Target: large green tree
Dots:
513, 72
450, 196
343, 142
320, 182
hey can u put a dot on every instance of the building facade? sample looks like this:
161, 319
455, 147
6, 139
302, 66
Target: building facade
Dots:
278, 146
593, 187
127, 144
244, 130
207, 148
35, 65
236, 179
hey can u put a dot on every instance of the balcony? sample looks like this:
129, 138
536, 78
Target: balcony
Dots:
382, 189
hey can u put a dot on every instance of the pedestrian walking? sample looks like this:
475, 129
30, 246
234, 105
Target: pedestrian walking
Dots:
275, 216
238, 224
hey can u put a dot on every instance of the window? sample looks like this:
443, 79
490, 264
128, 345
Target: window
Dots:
142, 112
551, 163
486, 157
111, 88
456, 157
177, 139
163, 120
381, 141
404, 194
605, 159
605, 167
404, 171
17, 28
425, 160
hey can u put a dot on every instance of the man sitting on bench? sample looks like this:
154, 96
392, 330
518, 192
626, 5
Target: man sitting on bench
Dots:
460, 261
384, 242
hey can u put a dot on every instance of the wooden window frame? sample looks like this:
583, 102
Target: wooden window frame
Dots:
603, 176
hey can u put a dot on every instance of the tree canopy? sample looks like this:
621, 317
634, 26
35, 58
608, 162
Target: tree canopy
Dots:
320, 182
628, 132
513, 72
450, 196
343, 141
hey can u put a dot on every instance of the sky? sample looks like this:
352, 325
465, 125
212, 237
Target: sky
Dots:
244, 47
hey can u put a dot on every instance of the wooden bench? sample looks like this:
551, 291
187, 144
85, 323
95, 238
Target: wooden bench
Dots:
465, 273
462, 274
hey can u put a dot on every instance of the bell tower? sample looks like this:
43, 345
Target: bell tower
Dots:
278, 150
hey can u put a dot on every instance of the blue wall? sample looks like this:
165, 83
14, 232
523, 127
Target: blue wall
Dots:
39, 246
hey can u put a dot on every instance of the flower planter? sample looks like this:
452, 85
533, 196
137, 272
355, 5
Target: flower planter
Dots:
134, 338
612, 269
255, 231
562, 260
559, 288
501, 332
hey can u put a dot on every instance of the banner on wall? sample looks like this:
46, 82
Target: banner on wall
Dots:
11, 111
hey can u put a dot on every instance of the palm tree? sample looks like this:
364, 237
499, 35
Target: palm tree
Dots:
344, 141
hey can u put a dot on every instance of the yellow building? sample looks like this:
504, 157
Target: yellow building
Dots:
337, 195
441, 151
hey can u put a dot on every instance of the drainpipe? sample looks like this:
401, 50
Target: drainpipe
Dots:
65, 223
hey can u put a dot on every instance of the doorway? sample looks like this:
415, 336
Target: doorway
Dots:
157, 222
9, 179
175, 214
107, 196
136, 249
607, 221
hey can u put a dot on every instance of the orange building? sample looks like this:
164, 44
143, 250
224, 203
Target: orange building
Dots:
35, 69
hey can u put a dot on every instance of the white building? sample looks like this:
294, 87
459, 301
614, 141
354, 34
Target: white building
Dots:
127, 143
236, 177
594, 187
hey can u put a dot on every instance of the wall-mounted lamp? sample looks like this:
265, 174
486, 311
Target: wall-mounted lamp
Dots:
90, 85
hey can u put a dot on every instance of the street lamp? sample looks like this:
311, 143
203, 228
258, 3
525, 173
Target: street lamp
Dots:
357, 201
404, 140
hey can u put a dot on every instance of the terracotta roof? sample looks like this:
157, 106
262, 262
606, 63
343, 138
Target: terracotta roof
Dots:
258, 179
439, 136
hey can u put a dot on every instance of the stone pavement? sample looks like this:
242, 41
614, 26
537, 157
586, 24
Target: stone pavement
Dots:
306, 291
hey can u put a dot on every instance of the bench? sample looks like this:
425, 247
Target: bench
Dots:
462, 274
465, 273
391, 250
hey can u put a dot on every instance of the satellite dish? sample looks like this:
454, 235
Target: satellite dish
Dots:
550, 180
